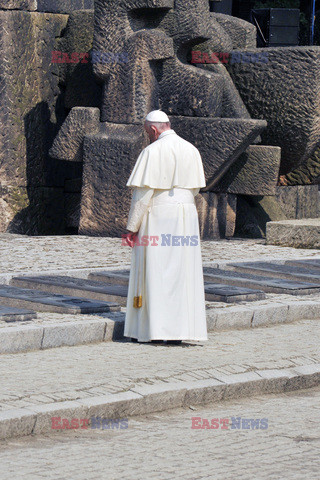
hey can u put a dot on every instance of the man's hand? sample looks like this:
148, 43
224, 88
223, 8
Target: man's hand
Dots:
131, 238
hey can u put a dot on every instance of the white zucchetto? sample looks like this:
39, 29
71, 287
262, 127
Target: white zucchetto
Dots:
157, 116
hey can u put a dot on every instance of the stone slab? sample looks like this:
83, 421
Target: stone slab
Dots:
297, 202
105, 202
11, 314
303, 310
118, 293
24, 338
214, 293
71, 333
119, 277
158, 397
278, 271
288, 203
229, 318
50, 302
302, 233
310, 265
29, 5
45, 413
266, 284
269, 314
68, 144
28, 337
203, 392
118, 405
20, 339
79, 287
255, 172
16, 423
77, 79
231, 293
213, 276
64, 6
109, 158
220, 139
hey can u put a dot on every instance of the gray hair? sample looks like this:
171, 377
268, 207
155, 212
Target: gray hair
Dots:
160, 126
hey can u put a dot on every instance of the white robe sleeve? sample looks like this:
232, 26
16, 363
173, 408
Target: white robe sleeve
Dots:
141, 200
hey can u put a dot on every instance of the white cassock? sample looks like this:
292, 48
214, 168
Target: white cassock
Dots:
166, 289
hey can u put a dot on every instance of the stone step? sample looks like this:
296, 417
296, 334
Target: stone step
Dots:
287, 272
312, 264
143, 399
231, 293
61, 331
214, 292
118, 277
299, 233
266, 284
11, 296
64, 285
11, 314
269, 284
47, 333
245, 353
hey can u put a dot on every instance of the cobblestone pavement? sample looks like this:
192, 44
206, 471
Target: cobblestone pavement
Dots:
164, 447
20, 253
70, 373
161, 446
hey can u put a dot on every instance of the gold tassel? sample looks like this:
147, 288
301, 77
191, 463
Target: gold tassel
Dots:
137, 302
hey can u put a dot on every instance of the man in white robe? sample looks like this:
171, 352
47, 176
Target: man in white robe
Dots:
166, 289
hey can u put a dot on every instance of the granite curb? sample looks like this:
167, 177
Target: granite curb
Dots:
28, 337
156, 398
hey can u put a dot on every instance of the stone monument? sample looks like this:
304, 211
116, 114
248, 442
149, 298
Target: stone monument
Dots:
155, 39
83, 76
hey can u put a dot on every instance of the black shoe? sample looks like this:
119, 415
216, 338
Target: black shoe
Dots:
174, 342
134, 340
156, 341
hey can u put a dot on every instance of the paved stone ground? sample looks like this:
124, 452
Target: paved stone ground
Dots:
20, 253
78, 255
159, 446
70, 373
164, 447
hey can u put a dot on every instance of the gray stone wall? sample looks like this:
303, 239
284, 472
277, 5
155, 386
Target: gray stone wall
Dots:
289, 203
49, 6
37, 192
31, 111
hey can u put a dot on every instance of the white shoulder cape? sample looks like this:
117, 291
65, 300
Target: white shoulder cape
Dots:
169, 162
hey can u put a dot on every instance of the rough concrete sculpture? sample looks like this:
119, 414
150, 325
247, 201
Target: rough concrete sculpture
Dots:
141, 58
307, 173
155, 39
291, 106
31, 183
